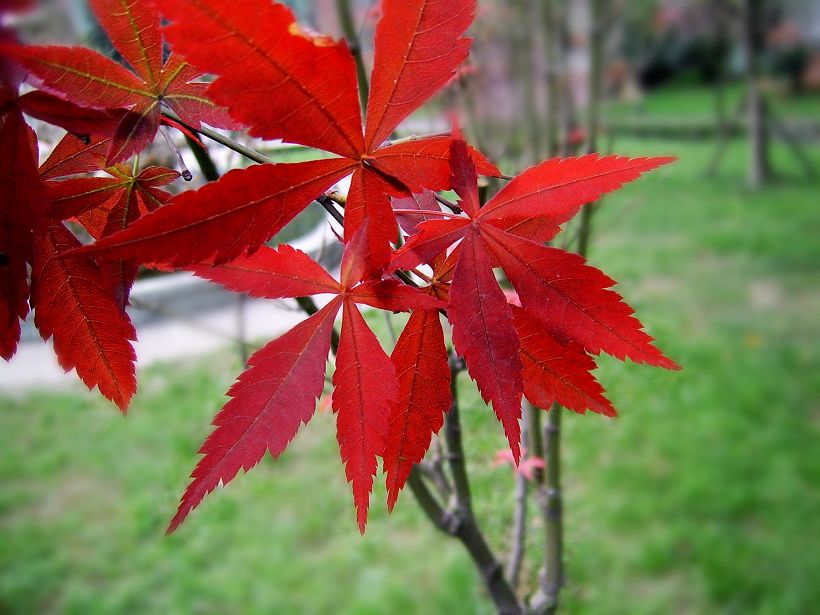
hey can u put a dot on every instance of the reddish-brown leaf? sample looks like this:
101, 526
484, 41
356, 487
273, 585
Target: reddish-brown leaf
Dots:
555, 190
22, 203
89, 79
269, 403
394, 296
302, 88
420, 361
221, 220
419, 46
72, 197
73, 118
72, 156
272, 274
573, 299
368, 201
133, 28
425, 163
557, 372
365, 390
74, 304
433, 238
423, 201
483, 333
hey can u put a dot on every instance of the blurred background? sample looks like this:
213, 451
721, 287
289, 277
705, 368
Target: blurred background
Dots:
703, 496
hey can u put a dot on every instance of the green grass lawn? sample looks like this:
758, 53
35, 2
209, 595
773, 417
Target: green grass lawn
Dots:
693, 101
702, 497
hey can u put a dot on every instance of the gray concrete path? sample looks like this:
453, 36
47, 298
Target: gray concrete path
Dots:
35, 366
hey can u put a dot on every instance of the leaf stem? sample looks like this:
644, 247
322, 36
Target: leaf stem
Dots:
213, 135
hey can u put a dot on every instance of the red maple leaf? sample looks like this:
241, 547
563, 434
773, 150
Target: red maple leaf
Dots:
22, 202
103, 205
130, 101
569, 300
278, 392
284, 82
419, 45
420, 361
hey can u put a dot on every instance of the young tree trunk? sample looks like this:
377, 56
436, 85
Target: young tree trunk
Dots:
759, 169
548, 13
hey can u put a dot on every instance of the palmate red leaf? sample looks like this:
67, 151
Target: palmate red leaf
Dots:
133, 29
569, 299
365, 389
272, 274
393, 296
22, 203
269, 403
573, 299
72, 156
433, 238
483, 333
397, 171
422, 164
73, 118
89, 79
368, 200
73, 304
423, 201
103, 205
420, 362
222, 219
557, 372
555, 190
311, 76
419, 46
261, 413
130, 197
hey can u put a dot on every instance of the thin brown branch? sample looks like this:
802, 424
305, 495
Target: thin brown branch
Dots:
519, 537
455, 448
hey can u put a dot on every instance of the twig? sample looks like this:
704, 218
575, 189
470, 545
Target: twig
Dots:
468, 533
554, 569
327, 203
213, 135
519, 521
455, 449
449, 204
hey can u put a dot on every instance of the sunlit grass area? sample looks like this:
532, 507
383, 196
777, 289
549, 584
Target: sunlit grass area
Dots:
688, 100
701, 497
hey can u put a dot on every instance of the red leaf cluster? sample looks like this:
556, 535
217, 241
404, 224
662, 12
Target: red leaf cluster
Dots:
536, 336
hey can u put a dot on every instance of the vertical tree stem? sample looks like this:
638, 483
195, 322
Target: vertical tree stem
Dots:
349, 29
519, 539
554, 560
468, 533
455, 448
551, 47
759, 168
525, 64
